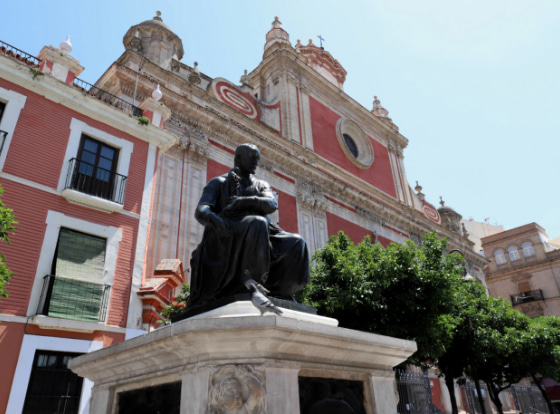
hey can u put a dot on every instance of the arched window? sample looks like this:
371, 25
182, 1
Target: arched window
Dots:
500, 257
513, 253
528, 249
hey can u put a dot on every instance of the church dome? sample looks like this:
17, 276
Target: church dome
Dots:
154, 40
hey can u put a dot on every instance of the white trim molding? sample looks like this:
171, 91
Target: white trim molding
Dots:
32, 343
77, 128
55, 221
14, 104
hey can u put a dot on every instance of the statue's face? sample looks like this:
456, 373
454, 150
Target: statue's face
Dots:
249, 161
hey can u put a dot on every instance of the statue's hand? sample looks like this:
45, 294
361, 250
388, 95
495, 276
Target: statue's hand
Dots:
219, 225
238, 204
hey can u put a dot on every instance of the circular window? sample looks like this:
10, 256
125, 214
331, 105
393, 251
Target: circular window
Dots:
354, 142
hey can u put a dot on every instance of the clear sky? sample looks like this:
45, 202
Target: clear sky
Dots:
474, 85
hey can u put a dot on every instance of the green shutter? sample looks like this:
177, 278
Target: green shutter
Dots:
78, 286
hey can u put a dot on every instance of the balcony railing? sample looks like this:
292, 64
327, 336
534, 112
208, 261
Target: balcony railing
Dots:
3, 135
107, 97
89, 179
20, 55
526, 297
67, 298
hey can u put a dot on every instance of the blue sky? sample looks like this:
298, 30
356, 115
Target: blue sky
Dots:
473, 85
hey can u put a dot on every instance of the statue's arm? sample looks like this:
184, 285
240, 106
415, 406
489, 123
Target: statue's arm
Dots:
263, 203
205, 212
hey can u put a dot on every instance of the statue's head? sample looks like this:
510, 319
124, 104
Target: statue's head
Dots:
247, 157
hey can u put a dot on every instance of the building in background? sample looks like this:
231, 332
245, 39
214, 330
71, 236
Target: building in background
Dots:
106, 205
524, 267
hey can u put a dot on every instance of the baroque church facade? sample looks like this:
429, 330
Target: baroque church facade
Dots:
333, 164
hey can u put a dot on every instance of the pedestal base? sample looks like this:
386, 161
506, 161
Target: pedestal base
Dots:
224, 363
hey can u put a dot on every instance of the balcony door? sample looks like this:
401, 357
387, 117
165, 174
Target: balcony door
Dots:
94, 172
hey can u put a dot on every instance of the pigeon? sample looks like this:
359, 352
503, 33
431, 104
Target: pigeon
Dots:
259, 298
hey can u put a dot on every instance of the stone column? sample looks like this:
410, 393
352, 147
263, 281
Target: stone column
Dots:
385, 394
281, 382
194, 391
102, 400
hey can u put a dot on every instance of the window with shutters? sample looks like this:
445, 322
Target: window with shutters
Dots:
94, 170
75, 288
52, 388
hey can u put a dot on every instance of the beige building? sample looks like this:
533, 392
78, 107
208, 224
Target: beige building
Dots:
524, 268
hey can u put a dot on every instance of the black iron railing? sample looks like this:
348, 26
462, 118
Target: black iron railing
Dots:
526, 297
3, 135
107, 97
67, 298
18, 54
89, 179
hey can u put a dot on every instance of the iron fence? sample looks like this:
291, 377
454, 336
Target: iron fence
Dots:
18, 54
73, 299
108, 98
90, 179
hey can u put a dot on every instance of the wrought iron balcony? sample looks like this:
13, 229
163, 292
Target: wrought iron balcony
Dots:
62, 297
89, 179
3, 135
526, 297
20, 55
107, 97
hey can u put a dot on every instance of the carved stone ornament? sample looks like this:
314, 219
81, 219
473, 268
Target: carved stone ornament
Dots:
237, 389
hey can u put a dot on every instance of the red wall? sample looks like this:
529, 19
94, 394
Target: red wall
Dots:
355, 232
11, 336
40, 139
287, 212
30, 207
325, 143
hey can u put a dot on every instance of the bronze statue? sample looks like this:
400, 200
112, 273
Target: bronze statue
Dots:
240, 241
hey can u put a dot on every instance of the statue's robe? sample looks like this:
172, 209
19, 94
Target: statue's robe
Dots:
277, 259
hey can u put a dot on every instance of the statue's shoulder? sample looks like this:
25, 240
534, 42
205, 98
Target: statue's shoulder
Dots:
217, 181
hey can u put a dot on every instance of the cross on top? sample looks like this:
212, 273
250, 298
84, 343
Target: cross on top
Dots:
321, 40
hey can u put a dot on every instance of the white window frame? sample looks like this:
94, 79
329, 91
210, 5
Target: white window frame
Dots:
125, 147
513, 253
55, 221
502, 260
528, 249
14, 104
32, 343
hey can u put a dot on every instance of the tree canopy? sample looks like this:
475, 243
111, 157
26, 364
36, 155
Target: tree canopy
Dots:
404, 290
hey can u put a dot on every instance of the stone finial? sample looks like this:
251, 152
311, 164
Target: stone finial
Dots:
156, 94
194, 77
441, 201
419, 192
66, 46
378, 109
276, 35
158, 16
465, 232
245, 78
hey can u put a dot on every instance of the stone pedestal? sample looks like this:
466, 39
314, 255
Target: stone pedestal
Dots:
237, 361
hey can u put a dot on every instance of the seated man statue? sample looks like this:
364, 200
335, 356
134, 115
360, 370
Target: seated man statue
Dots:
240, 241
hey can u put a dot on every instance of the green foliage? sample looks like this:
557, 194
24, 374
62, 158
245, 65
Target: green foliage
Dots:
144, 121
178, 304
7, 226
402, 291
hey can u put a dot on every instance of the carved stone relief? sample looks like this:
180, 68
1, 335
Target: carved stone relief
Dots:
237, 389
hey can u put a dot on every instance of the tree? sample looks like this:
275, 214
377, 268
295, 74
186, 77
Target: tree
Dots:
541, 352
498, 360
470, 306
402, 291
7, 226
